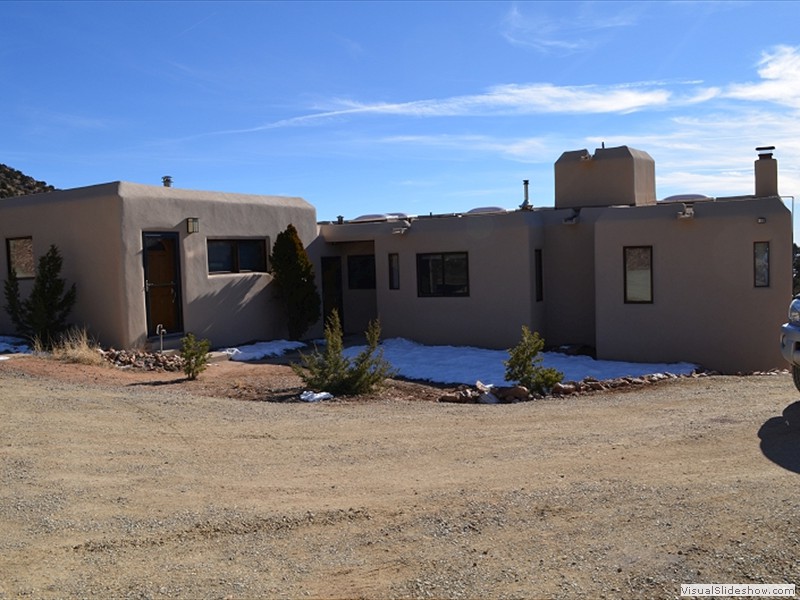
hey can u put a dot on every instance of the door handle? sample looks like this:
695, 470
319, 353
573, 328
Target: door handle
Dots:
147, 285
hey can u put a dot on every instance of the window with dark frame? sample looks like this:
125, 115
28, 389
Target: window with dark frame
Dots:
361, 272
19, 252
761, 264
394, 271
237, 256
638, 271
444, 274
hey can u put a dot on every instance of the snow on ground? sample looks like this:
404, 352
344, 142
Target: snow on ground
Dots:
262, 350
446, 364
13, 345
451, 364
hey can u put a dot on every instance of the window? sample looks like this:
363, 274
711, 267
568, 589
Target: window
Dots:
761, 264
20, 257
394, 271
537, 255
638, 274
443, 274
361, 272
237, 256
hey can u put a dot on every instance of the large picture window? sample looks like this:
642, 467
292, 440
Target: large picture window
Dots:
237, 256
638, 264
20, 257
361, 272
443, 274
761, 264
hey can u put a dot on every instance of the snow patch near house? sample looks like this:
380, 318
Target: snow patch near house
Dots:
262, 350
465, 364
13, 345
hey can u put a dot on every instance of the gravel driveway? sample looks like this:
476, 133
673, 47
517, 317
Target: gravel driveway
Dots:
133, 486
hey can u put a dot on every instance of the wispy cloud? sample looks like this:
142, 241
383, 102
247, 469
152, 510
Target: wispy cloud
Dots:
779, 70
580, 32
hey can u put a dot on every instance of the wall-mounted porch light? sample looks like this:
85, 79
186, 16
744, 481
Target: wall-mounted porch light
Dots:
192, 225
762, 220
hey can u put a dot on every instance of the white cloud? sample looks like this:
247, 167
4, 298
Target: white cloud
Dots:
779, 70
579, 32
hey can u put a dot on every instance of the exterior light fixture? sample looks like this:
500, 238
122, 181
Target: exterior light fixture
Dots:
762, 220
192, 225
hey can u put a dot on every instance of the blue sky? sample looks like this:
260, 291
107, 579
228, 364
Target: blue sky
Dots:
416, 107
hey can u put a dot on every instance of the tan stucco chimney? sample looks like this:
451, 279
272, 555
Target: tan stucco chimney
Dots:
610, 176
766, 172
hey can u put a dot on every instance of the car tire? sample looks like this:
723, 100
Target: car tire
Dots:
796, 376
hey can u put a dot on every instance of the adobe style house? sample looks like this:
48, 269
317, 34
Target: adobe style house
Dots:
147, 259
704, 280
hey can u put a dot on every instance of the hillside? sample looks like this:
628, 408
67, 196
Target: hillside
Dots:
15, 183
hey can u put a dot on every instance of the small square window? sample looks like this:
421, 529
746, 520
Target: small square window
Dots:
237, 256
443, 274
20, 257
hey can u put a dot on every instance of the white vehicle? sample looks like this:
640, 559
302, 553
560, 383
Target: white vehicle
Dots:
790, 340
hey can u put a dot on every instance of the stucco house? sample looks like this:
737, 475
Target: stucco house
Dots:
609, 267
697, 279
147, 259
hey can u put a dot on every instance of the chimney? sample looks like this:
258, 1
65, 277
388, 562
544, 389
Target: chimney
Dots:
766, 172
167, 180
525, 204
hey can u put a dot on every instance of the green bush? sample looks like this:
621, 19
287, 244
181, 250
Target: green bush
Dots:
42, 317
294, 281
194, 353
330, 371
524, 364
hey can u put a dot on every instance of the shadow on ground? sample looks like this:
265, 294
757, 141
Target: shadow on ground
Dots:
780, 438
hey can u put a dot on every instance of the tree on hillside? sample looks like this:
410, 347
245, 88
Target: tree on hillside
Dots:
16, 183
294, 278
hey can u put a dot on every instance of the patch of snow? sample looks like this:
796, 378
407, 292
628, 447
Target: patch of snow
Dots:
464, 364
262, 350
315, 397
13, 345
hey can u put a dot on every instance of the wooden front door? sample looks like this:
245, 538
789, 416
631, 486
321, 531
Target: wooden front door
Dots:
162, 283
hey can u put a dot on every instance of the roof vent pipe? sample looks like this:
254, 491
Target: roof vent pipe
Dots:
525, 204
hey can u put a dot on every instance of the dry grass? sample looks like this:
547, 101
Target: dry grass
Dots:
75, 346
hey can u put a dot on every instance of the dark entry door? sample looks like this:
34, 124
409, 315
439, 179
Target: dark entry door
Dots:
162, 287
332, 287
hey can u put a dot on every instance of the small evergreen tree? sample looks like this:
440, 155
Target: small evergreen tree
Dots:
294, 279
43, 315
194, 353
524, 364
329, 371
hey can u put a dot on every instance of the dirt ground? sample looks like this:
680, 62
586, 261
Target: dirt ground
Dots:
118, 484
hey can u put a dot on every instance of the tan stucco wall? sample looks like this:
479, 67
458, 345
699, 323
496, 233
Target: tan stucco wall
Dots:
500, 272
569, 277
706, 309
99, 229
227, 308
84, 224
